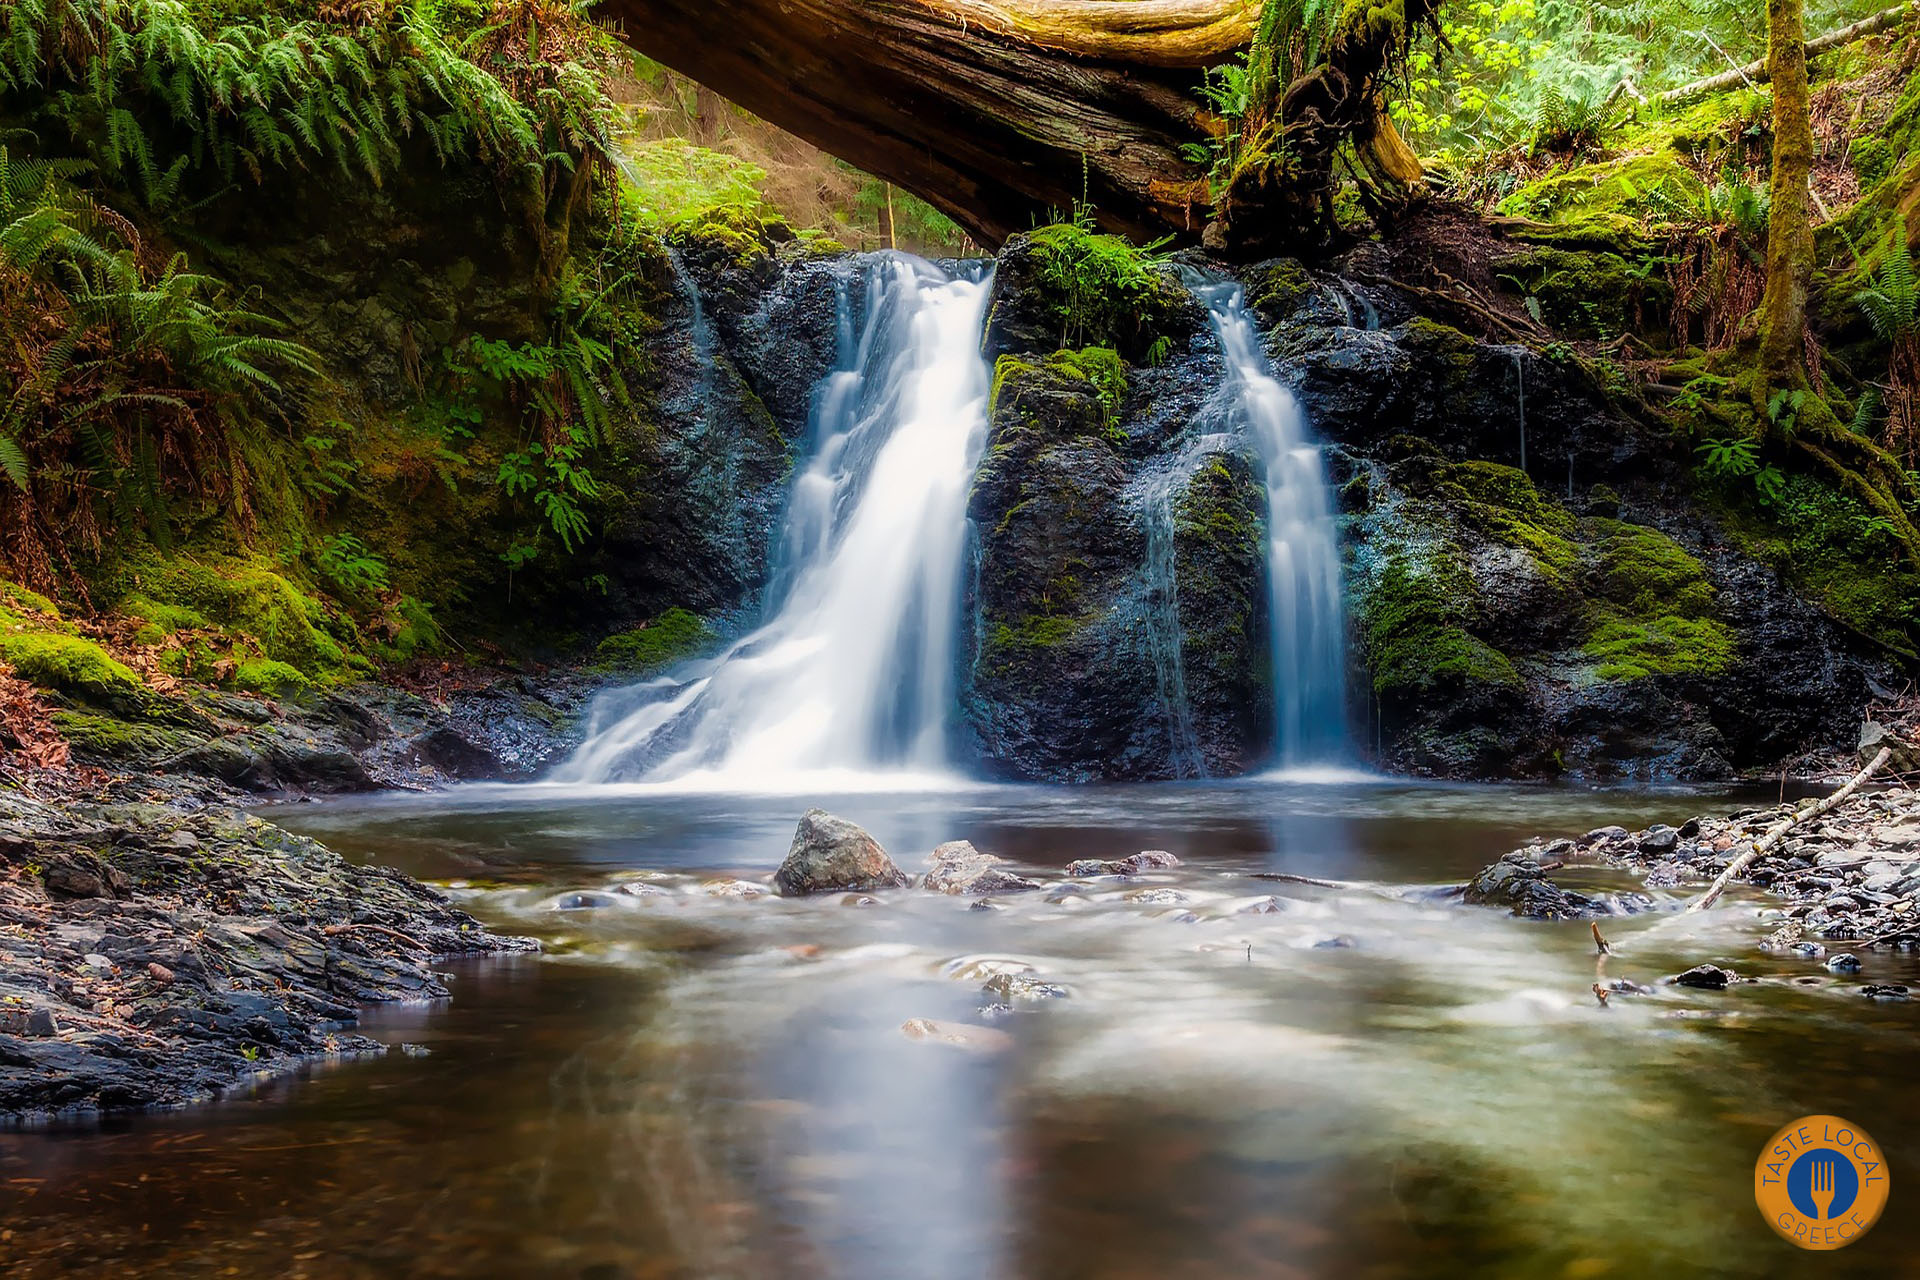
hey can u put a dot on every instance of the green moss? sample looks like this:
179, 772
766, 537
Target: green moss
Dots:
275, 679
1503, 503
1415, 639
1276, 289
672, 637
1026, 395
107, 738
166, 618
1644, 573
412, 631
15, 597
1103, 368
66, 663
259, 606
1589, 294
1657, 186
1627, 650
744, 232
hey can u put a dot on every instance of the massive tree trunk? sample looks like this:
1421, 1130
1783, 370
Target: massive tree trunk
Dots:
1783, 310
998, 112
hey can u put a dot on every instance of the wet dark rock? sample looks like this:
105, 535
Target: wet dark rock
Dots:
1132, 865
1519, 882
241, 951
1705, 977
1659, 838
1628, 987
959, 868
830, 855
1845, 962
1267, 906
1024, 987
1603, 834
584, 901
1339, 942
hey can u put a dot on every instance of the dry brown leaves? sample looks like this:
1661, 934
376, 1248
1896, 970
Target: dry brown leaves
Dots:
27, 735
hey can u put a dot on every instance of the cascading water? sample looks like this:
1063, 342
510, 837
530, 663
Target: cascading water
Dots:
1303, 555
853, 670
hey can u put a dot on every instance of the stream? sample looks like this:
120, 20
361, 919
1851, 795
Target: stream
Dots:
1337, 1082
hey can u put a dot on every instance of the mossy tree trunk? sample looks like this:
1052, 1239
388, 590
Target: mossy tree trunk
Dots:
1783, 309
1000, 112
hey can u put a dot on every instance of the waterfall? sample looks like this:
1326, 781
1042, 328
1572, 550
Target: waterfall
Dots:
853, 667
1303, 555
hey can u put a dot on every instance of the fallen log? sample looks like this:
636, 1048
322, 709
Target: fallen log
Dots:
1778, 831
1756, 72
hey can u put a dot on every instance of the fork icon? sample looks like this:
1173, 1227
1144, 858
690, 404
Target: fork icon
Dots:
1820, 1186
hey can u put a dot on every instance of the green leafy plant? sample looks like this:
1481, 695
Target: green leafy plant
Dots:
349, 565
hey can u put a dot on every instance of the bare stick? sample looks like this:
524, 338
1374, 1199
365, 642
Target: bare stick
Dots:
334, 930
1756, 72
1600, 947
1778, 831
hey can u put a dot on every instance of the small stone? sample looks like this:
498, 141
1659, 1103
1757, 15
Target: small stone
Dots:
1628, 987
1157, 897
182, 841
1268, 906
1884, 991
640, 889
1845, 962
959, 1035
1690, 828
859, 900
1603, 834
745, 890
1659, 838
1339, 942
415, 1050
1145, 860
94, 960
583, 902
1024, 986
41, 1022
1705, 977
1811, 950
986, 904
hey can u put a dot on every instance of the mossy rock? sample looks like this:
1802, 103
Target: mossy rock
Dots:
1416, 643
1503, 503
68, 664
1655, 187
275, 679
110, 740
259, 606
1644, 573
1588, 294
674, 636
1076, 288
1622, 649
1277, 289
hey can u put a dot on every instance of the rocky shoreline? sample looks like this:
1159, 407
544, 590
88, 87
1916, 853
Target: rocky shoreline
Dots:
1844, 881
161, 946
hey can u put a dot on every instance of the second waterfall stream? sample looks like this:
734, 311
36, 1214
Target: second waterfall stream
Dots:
851, 675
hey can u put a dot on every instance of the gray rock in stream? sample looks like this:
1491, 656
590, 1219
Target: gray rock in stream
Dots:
1520, 881
832, 855
957, 867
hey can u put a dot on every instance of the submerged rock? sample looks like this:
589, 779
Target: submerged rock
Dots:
833, 855
1705, 977
959, 868
1519, 881
1145, 860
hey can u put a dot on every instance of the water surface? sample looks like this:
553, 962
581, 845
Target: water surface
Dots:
1352, 1082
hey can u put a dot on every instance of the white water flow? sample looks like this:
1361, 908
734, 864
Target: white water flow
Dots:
853, 669
1303, 554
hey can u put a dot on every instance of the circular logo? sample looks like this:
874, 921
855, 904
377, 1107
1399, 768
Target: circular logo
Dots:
1821, 1182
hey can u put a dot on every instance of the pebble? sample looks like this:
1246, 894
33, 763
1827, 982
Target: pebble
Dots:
1845, 962
1705, 977
1884, 991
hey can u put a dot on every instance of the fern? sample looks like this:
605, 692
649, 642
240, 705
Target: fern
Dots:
1891, 302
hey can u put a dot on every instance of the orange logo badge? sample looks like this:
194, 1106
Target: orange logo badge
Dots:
1821, 1182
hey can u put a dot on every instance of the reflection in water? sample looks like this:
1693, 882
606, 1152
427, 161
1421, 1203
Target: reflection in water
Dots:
1243, 1077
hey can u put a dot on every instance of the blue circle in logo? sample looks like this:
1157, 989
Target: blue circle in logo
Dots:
1845, 1182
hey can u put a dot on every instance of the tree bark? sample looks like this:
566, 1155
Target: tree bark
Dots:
1783, 308
1000, 113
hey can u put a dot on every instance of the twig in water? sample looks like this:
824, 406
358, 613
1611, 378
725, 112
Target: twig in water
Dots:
1600, 947
1600, 994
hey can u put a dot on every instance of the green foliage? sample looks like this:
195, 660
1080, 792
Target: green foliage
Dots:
345, 561
1667, 645
674, 636
1100, 290
122, 77
1891, 300
672, 179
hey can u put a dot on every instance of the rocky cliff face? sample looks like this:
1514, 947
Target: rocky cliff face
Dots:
1117, 593
1537, 583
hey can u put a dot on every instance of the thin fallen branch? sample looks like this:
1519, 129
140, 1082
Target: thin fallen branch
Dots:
334, 930
1290, 878
1778, 830
1756, 72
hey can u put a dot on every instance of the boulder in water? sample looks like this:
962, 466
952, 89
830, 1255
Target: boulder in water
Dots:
1520, 881
958, 867
832, 855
